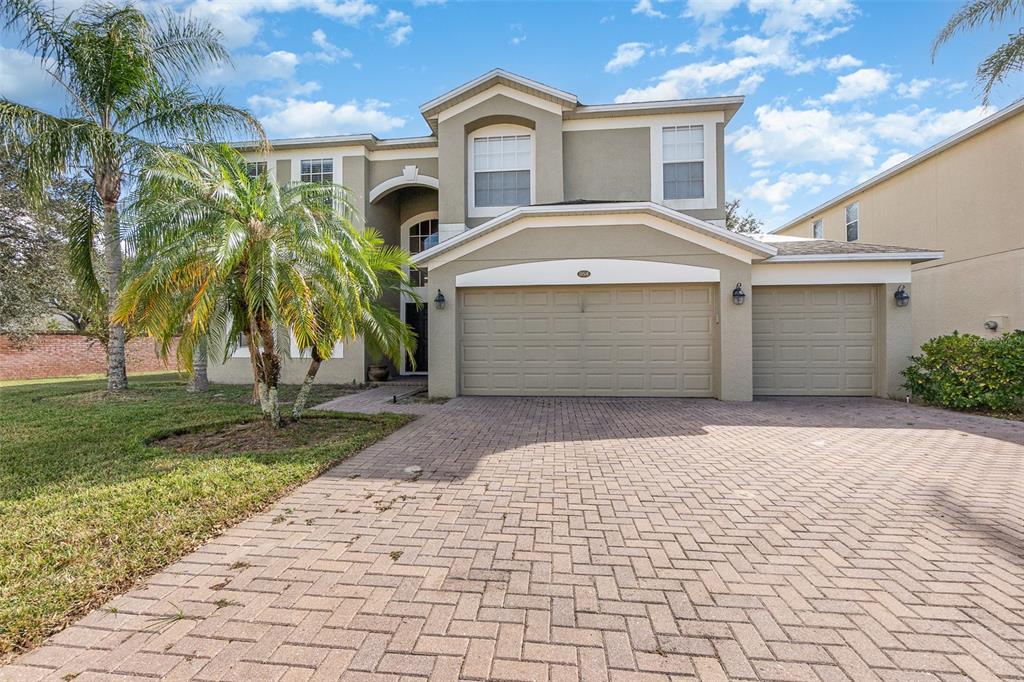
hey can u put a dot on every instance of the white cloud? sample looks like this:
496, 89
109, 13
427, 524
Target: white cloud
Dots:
926, 126
785, 186
684, 48
23, 80
709, 11
329, 52
518, 34
915, 88
425, 3
239, 20
846, 61
399, 26
250, 68
800, 16
793, 136
646, 8
293, 117
860, 84
626, 55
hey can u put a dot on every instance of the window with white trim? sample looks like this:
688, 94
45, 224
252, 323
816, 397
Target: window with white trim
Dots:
317, 170
853, 222
420, 239
502, 166
818, 229
255, 169
682, 157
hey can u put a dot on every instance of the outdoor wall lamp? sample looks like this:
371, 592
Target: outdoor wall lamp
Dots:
901, 296
737, 294
439, 300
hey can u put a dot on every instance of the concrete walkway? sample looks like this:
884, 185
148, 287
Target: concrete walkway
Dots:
601, 539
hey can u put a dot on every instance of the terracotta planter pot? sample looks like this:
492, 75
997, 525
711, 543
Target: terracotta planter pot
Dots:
379, 372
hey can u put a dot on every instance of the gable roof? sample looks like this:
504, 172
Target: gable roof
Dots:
431, 109
754, 247
799, 249
951, 141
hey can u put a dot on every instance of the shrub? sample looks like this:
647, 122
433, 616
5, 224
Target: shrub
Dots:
967, 372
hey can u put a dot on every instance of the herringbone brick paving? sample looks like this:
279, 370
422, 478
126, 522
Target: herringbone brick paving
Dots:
602, 539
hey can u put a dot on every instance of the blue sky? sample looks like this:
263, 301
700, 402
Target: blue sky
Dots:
836, 90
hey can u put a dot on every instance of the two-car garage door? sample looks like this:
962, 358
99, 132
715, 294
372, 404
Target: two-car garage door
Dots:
653, 340
815, 340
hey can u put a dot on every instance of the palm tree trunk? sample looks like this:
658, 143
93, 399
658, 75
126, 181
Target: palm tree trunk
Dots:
307, 385
117, 372
199, 382
270, 368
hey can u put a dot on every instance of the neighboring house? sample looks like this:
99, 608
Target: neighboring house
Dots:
965, 196
571, 249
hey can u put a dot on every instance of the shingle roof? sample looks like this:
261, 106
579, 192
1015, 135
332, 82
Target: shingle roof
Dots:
815, 247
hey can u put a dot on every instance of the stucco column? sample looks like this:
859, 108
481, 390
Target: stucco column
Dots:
896, 342
442, 336
735, 335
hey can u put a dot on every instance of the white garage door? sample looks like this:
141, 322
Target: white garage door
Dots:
600, 340
815, 340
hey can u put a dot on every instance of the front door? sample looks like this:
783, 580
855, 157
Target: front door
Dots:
416, 317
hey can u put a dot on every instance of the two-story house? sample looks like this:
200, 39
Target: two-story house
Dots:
964, 195
572, 249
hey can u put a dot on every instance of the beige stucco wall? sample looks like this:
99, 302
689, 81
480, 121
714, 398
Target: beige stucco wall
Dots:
607, 164
733, 355
343, 370
967, 201
451, 137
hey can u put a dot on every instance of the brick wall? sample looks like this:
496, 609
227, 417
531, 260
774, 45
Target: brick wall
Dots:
62, 355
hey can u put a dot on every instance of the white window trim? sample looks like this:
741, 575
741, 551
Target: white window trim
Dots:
815, 224
422, 291
294, 352
335, 166
849, 222
497, 130
710, 123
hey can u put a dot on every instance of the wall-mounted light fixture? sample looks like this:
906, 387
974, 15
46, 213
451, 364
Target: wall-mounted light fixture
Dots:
439, 300
737, 294
901, 296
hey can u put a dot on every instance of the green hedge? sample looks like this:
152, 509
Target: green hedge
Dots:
967, 372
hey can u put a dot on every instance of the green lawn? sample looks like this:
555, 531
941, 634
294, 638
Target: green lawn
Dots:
87, 507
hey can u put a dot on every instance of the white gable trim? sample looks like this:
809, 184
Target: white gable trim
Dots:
410, 177
586, 271
646, 213
498, 73
494, 91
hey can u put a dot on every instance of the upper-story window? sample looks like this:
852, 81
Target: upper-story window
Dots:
255, 168
853, 222
422, 235
501, 171
819, 229
682, 156
317, 170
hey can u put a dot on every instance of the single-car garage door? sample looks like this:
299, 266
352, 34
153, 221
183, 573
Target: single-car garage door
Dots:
578, 340
815, 340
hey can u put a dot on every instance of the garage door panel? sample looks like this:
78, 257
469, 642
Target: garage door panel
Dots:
814, 340
626, 340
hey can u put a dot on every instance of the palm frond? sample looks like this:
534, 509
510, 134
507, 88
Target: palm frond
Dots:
974, 14
1006, 59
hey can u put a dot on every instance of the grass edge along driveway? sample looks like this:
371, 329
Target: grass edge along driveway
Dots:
89, 507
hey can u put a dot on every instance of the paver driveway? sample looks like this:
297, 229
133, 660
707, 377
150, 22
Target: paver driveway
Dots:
624, 539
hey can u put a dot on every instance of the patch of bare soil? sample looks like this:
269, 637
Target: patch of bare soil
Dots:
259, 436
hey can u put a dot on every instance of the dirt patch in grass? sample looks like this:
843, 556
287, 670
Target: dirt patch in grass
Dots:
259, 436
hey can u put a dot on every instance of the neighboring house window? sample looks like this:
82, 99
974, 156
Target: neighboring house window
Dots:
317, 170
853, 222
422, 235
255, 168
242, 348
501, 170
682, 156
819, 229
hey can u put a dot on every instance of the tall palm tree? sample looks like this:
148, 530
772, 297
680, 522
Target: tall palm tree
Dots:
226, 255
1007, 58
125, 81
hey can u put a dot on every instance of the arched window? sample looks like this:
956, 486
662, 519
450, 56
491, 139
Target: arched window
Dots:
422, 235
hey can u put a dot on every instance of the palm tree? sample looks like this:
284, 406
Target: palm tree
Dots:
224, 255
1006, 58
125, 82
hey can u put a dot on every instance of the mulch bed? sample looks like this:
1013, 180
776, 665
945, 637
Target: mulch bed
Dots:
259, 436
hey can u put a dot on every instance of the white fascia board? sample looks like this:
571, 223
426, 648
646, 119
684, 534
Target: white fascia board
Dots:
704, 233
811, 274
656, 107
497, 73
965, 134
914, 256
575, 271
